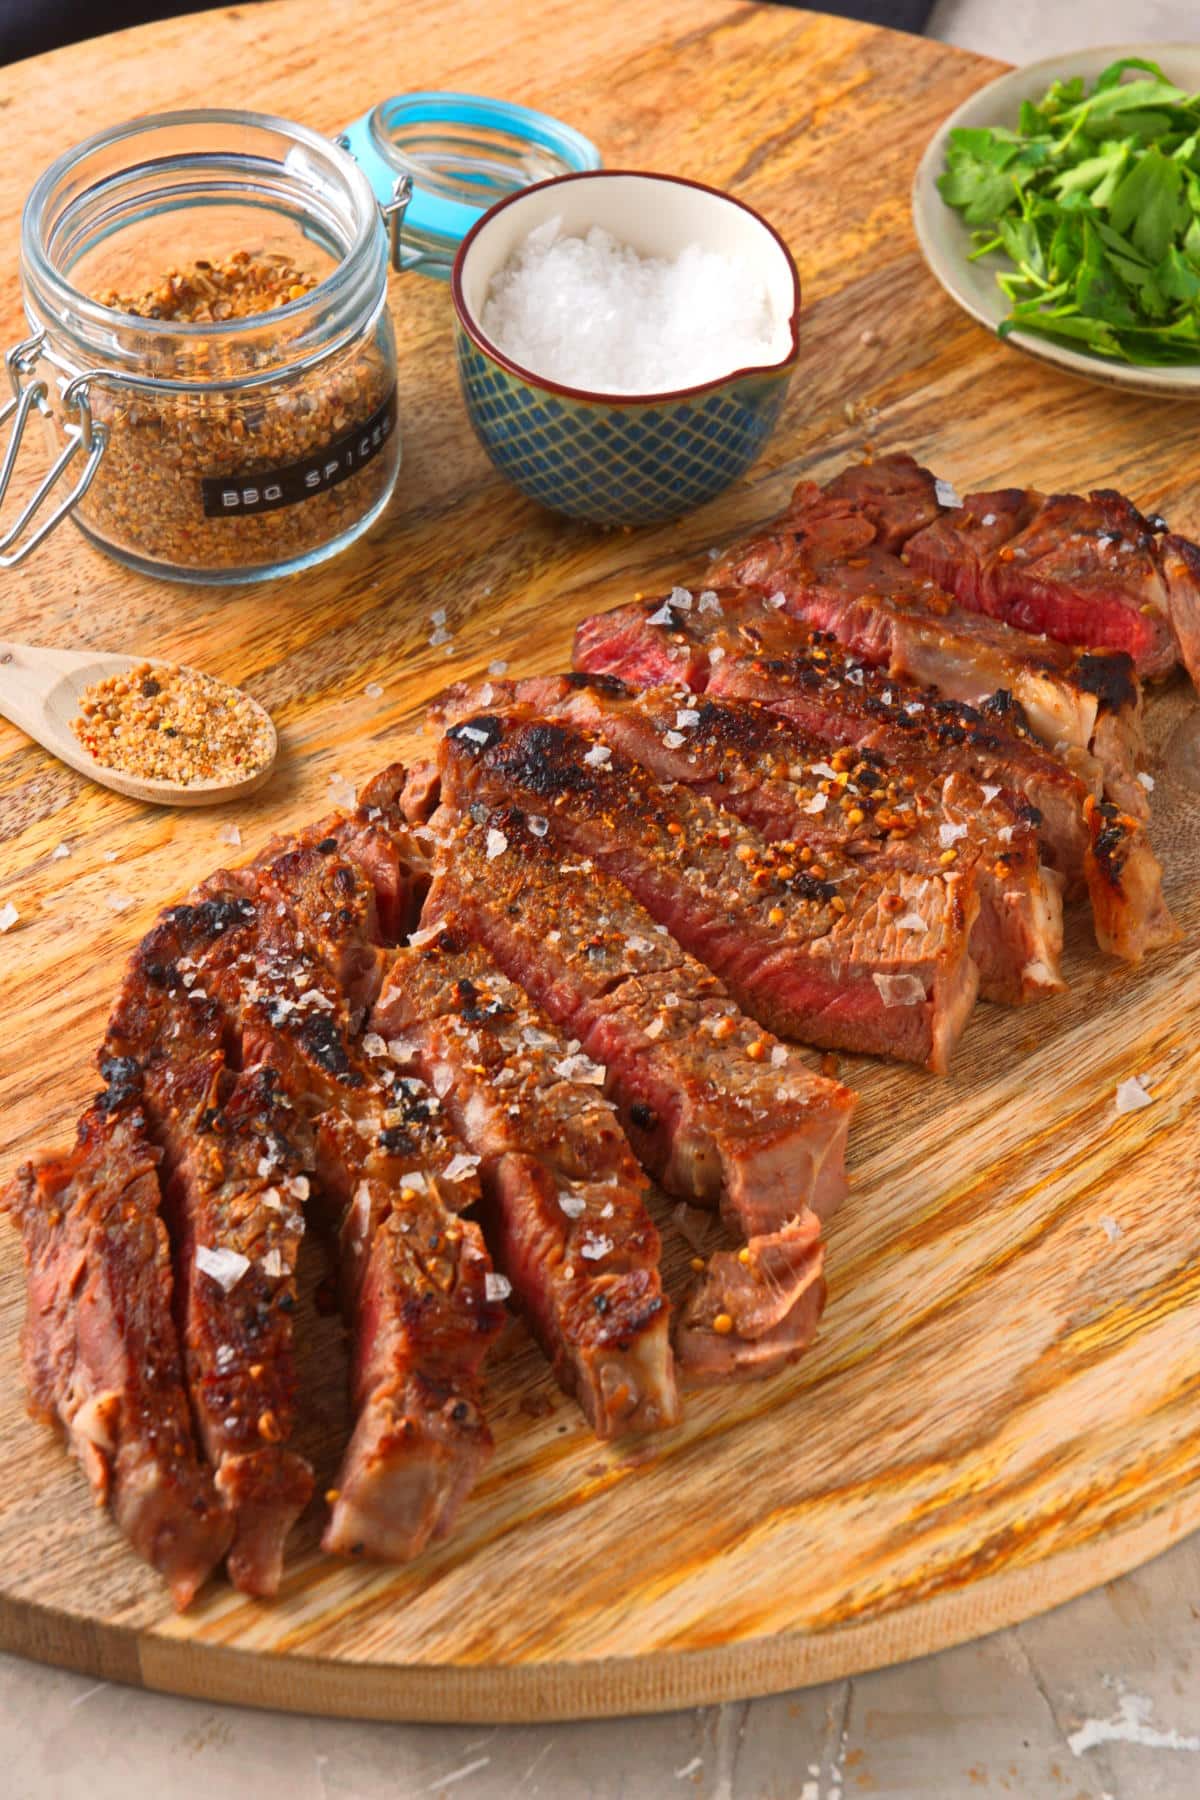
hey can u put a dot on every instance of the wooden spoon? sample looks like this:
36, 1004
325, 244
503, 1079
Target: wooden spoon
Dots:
39, 692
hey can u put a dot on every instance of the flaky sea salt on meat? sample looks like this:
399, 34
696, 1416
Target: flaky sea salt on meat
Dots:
573, 1205
950, 834
946, 495
461, 1165
911, 921
1132, 1096
591, 312
598, 756
225, 1267
496, 1287
497, 844
900, 990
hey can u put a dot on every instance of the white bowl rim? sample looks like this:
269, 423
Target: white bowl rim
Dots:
480, 338
1178, 380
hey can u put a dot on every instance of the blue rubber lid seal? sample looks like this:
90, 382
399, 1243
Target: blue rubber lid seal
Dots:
464, 152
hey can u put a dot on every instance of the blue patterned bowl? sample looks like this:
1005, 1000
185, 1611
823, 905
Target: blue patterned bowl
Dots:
616, 459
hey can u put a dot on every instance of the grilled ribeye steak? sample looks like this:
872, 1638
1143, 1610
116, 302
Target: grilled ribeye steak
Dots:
787, 784
834, 696
565, 1200
808, 946
716, 1109
100, 1349
1085, 570
831, 559
392, 1176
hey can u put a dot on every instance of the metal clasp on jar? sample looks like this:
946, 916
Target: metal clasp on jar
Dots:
30, 393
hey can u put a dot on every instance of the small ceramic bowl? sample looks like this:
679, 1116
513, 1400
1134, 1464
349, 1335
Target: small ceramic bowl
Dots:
617, 459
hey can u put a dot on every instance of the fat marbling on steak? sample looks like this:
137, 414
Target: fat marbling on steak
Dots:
808, 946
787, 784
565, 1199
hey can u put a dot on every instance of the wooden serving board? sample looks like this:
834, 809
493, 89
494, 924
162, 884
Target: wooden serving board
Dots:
1001, 1410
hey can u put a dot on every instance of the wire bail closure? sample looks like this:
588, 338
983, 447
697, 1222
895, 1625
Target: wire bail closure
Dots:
28, 396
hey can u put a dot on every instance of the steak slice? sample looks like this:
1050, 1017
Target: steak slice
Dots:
1179, 560
756, 1308
896, 495
719, 1112
415, 1289
99, 1343
1082, 570
808, 947
898, 620
565, 1199
1124, 882
233, 1185
763, 768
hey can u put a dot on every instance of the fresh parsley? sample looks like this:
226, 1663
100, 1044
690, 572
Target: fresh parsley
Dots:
1094, 200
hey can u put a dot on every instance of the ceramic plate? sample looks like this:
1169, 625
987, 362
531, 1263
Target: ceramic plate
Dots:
946, 241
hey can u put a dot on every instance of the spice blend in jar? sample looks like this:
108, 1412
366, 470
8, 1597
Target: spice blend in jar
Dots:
205, 475
160, 722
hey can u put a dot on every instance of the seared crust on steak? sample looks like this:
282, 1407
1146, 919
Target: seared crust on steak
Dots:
780, 780
99, 1344
807, 946
565, 1199
716, 1109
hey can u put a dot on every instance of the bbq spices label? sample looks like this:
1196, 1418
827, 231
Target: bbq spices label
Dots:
234, 496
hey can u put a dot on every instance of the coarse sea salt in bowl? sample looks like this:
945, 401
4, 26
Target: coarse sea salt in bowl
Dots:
572, 294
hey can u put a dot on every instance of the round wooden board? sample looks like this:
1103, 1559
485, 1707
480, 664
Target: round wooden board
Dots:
1001, 1410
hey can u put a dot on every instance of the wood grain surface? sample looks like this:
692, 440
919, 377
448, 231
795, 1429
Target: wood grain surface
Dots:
1001, 1410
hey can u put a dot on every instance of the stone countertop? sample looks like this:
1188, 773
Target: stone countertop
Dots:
1099, 1700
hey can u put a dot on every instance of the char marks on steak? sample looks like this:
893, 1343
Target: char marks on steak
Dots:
564, 1198
808, 946
718, 1111
787, 784
745, 652
99, 1344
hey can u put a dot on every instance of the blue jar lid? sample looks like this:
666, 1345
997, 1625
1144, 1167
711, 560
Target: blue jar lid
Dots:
462, 153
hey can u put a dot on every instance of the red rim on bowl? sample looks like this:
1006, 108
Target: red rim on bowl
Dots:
484, 343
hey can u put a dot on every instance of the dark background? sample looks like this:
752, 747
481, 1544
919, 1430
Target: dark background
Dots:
30, 26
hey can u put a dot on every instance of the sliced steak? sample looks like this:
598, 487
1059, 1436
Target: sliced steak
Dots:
762, 767
1082, 570
1179, 560
807, 946
900, 620
1125, 885
391, 1174
834, 696
716, 1109
100, 1349
565, 1199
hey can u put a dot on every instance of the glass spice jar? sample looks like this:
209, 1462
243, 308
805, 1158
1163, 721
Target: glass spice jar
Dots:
210, 346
